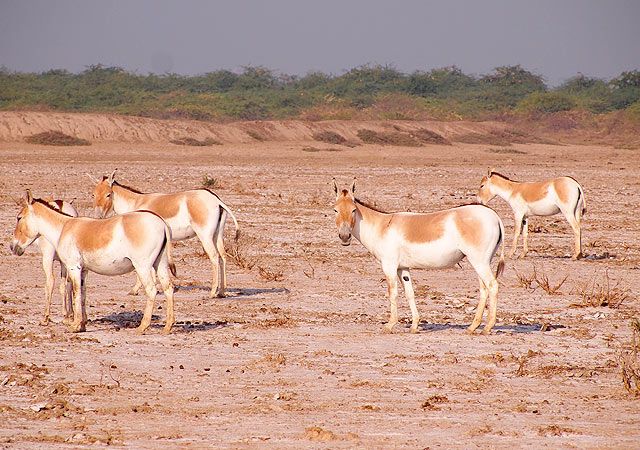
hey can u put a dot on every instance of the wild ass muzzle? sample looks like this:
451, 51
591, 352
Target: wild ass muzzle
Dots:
139, 241
546, 198
403, 241
198, 212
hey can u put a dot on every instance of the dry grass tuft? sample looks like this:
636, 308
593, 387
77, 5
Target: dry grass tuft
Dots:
536, 280
316, 149
506, 150
629, 362
237, 252
595, 293
431, 404
256, 135
192, 142
270, 275
429, 137
388, 138
209, 182
55, 138
330, 137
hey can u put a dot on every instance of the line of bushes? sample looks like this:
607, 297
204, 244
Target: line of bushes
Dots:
259, 93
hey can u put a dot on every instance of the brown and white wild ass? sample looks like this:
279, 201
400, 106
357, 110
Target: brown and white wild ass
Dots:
545, 198
49, 256
197, 212
403, 241
139, 241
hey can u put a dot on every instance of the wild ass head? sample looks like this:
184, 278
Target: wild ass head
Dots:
345, 209
486, 191
26, 229
103, 195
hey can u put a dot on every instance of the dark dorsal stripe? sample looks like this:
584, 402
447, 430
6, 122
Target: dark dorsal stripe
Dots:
128, 188
52, 208
370, 206
502, 176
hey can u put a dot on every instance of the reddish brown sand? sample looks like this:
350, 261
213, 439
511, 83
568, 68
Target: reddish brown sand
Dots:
303, 361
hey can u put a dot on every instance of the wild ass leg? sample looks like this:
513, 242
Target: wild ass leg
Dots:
47, 266
525, 236
483, 269
210, 249
517, 225
484, 292
392, 283
75, 276
83, 293
145, 276
575, 226
222, 257
405, 277
136, 287
66, 290
167, 287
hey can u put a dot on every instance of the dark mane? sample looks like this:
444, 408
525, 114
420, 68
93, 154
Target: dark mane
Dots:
370, 206
52, 208
128, 188
502, 176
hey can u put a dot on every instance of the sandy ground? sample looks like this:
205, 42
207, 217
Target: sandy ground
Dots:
303, 361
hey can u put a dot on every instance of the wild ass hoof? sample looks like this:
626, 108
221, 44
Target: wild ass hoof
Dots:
413, 330
486, 331
132, 292
45, 321
78, 327
68, 320
166, 329
388, 327
471, 329
577, 257
140, 330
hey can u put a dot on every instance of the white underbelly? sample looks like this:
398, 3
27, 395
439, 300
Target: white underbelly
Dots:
180, 232
543, 209
108, 265
429, 256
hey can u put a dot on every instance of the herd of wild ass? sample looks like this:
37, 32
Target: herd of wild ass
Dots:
135, 231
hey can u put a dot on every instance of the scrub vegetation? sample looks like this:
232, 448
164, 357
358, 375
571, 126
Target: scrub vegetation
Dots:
365, 92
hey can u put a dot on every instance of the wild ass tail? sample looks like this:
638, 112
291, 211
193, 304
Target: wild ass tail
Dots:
224, 207
583, 200
235, 222
500, 267
167, 248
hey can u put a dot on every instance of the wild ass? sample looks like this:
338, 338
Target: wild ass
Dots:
49, 256
545, 198
139, 241
197, 212
404, 241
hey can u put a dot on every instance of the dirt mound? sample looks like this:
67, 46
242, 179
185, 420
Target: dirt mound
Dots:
16, 126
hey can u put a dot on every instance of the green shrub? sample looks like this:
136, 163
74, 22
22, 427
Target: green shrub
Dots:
546, 102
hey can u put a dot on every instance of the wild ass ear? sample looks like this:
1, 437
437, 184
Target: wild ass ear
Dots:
353, 186
92, 178
335, 186
28, 197
111, 178
489, 171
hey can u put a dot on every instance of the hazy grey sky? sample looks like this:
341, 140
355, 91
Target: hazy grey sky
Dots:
555, 38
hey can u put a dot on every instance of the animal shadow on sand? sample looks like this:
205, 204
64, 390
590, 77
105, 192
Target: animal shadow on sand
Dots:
508, 328
131, 319
236, 293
